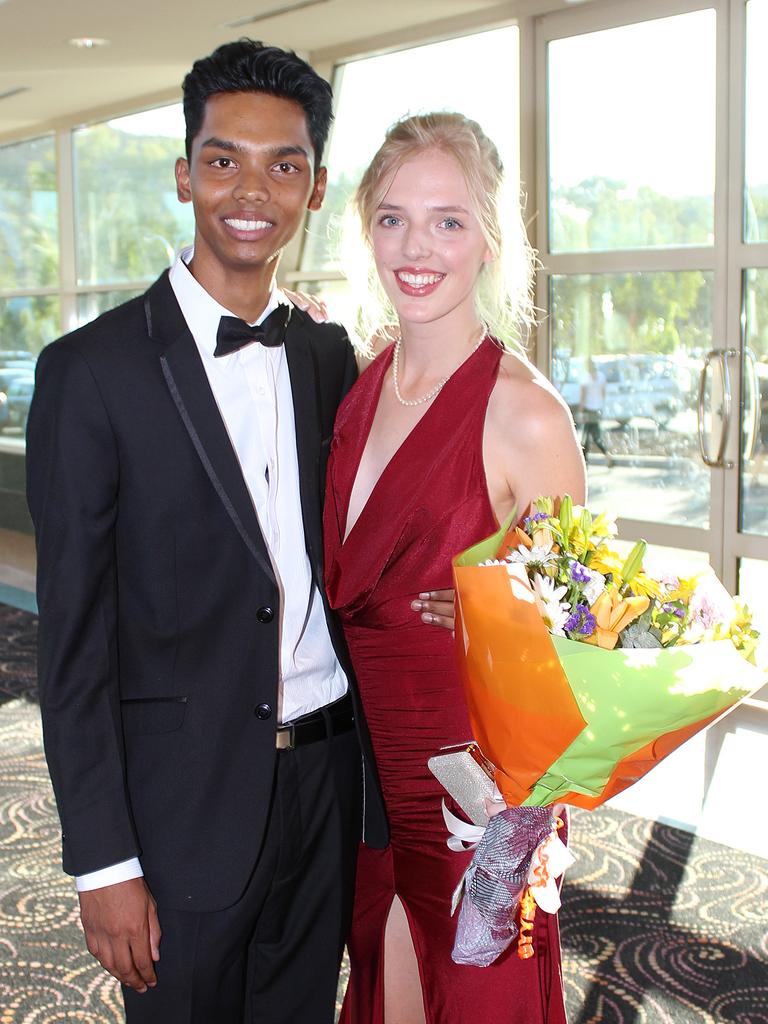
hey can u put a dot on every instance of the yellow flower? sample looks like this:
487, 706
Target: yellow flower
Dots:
604, 526
642, 584
605, 560
684, 589
743, 618
576, 542
545, 504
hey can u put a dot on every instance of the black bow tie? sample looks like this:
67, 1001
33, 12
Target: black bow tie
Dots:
234, 333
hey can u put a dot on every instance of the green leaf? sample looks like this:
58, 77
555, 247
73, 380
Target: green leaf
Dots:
488, 548
634, 562
566, 515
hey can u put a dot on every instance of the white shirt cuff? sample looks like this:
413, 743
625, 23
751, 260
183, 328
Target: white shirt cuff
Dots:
111, 875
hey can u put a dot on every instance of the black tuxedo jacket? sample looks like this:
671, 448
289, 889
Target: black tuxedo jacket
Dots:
158, 604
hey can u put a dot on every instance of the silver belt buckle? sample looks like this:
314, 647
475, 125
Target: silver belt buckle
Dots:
284, 738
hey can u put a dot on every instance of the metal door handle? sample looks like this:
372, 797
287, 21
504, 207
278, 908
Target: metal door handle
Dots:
752, 434
722, 356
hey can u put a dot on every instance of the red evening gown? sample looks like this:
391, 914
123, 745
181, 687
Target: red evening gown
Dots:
430, 502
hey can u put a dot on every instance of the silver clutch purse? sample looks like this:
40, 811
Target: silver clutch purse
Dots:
467, 776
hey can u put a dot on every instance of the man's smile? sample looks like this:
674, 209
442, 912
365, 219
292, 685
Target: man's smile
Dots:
248, 228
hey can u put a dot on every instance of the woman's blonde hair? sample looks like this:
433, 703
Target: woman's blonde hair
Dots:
503, 296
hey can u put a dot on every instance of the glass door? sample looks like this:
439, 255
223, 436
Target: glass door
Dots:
630, 249
746, 543
652, 188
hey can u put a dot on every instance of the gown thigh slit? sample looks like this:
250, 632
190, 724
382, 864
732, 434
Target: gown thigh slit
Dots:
430, 503
392, 976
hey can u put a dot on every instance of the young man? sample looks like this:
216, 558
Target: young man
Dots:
201, 721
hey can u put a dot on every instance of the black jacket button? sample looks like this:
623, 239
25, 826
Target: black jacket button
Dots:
265, 614
263, 712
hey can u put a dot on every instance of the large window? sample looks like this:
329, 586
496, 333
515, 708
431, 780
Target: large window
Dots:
129, 221
29, 233
754, 462
29, 301
756, 162
753, 478
128, 225
644, 335
632, 136
29, 277
630, 230
476, 75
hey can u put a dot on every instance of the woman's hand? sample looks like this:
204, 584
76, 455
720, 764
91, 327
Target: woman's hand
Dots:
494, 807
436, 607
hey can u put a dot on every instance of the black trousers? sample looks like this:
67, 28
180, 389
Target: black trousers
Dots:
273, 957
592, 432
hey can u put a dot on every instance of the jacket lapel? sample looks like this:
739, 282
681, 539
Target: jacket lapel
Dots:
302, 368
188, 384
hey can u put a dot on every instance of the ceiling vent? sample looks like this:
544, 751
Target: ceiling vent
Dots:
273, 12
7, 93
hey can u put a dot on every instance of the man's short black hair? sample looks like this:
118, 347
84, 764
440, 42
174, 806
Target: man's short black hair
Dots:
250, 66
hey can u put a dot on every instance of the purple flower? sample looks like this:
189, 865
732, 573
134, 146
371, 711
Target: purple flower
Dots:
537, 517
674, 609
580, 573
580, 621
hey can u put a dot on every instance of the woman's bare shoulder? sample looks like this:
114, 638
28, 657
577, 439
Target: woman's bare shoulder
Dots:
525, 398
531, 434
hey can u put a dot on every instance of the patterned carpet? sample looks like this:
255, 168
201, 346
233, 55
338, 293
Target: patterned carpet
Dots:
658, 927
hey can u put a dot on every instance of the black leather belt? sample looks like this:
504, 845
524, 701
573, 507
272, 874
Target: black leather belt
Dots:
331, 720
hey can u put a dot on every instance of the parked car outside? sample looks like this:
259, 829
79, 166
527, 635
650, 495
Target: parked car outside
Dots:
18, 400
11, 357
10, 373
637, 386
662, 379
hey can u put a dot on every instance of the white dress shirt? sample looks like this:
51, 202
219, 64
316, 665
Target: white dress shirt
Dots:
252, 388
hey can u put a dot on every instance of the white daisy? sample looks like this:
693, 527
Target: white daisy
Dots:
594, 588
537, 555
554, 612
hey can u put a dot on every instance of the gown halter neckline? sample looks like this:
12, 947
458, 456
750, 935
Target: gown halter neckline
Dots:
365, 413
377, 527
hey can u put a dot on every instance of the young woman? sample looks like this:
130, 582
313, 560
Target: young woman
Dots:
448, 431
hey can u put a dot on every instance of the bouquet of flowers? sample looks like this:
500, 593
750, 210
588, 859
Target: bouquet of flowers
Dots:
581, 672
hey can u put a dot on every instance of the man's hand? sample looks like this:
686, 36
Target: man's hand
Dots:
311, 304
122, 931
436, 607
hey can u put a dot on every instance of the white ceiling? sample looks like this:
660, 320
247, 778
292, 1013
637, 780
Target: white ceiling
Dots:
153, 43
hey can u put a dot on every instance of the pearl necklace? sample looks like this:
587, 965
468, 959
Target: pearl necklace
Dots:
440, 384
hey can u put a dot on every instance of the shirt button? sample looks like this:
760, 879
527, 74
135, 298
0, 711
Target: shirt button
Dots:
263, 712
265, 614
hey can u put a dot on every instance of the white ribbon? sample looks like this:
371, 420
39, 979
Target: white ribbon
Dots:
463, 835
558, 859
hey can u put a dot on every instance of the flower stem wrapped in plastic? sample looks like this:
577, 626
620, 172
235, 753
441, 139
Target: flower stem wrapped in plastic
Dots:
581, 671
